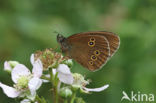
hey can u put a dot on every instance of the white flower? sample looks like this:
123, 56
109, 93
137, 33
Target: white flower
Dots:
80, 83
64, 74
23, 79
63, 71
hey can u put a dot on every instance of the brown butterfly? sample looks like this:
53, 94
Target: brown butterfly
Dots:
91, 49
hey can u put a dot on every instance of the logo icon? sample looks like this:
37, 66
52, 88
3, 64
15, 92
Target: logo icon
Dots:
137, 97
125, 96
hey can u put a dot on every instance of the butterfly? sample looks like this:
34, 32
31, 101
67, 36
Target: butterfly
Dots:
90, 49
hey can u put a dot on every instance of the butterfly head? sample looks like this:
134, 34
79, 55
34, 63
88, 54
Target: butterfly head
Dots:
60, 38
63, 42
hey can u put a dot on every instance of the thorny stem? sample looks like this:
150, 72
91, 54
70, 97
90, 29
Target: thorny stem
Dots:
73, 97
55, 95
51, 75
56, 88
54, 82
51, 79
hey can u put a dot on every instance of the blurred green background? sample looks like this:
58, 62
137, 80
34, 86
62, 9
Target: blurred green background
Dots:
29, 25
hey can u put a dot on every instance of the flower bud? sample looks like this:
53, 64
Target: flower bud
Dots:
79, 100
9, 65
75, 87
65, 92
68, 62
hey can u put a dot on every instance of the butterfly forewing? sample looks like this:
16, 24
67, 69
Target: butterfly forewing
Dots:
113, 39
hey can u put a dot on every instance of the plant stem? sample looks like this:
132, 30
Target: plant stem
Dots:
55, 95
73, 97
51, 75
54, 82
37, 98
56, 88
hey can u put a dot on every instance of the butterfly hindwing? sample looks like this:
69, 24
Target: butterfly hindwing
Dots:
114, 41
91, 51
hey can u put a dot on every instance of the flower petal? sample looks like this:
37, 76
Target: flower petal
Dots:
34, 84
9, 91
7, 66
63, 69
64, 74
65, 78
54, 71
25, 101
32, 59
96, 89
37, 68
19, 70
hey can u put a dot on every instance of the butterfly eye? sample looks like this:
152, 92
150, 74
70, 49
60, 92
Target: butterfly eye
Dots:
97, 52
91, 43
92, 39
93, 57
91, 62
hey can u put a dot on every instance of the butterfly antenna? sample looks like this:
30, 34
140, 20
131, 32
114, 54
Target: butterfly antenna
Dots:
56, 32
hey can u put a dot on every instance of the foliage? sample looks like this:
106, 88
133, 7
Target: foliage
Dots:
29, 25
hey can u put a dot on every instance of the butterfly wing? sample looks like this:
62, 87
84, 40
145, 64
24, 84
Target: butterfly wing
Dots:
90, 50
113, 39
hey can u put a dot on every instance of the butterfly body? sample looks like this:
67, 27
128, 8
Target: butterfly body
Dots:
91, 49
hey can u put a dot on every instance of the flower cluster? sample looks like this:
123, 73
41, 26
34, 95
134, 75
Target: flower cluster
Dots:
65, 84
25, 82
